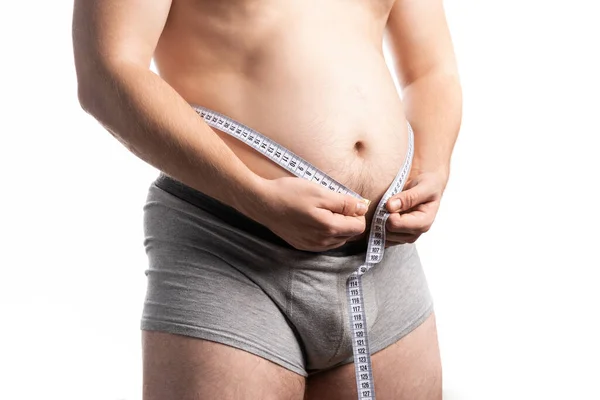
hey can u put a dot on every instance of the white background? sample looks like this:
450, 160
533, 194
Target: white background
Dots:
512, 259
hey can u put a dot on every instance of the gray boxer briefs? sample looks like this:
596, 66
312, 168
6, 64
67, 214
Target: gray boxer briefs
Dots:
217, 275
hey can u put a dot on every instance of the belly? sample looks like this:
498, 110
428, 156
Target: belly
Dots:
323, 91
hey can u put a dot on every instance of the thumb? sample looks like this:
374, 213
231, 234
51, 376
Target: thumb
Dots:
409, 198
347, 205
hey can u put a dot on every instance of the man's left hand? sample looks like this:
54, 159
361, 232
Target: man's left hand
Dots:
414, 209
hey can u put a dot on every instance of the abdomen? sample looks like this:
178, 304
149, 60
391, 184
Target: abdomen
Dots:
320, 89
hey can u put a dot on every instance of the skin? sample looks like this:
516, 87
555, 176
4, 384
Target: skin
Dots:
313, 78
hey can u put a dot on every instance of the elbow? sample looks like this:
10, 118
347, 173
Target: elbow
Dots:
84, 97
93, 76
89, 92
85, 91
439, 74
85, 76
102, 83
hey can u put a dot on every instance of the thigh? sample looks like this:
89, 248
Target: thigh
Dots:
185, 368
410, 369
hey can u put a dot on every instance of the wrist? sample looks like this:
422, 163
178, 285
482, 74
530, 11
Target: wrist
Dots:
440, 173
442, 170
251, 201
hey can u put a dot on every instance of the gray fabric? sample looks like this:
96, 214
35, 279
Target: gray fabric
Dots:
211, 280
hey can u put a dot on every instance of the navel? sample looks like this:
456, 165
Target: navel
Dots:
359, 147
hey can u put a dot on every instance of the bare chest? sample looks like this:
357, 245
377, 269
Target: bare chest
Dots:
250, 11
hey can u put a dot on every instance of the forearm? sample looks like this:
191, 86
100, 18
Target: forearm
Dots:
156, 124
433, 106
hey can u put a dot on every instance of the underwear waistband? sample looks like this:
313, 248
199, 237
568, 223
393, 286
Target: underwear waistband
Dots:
233, 217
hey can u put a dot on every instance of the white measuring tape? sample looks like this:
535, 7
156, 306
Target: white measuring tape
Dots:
376, 245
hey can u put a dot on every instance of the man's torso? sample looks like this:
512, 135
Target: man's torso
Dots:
308, 74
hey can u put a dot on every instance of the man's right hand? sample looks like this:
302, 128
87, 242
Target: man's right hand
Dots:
307, 216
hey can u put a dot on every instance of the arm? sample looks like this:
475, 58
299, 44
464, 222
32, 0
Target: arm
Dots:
424, 63
114, 41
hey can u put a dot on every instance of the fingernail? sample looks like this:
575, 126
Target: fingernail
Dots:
395, 204
361, 208
367, 202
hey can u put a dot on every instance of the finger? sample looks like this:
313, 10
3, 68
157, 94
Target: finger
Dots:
400, 238
334, 243
345, 204
416, 221
341, 225
422, 192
